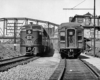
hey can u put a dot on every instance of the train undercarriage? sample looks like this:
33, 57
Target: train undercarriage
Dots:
70, 53
37, 50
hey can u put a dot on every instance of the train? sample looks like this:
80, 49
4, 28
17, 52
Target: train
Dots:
34, 40
71, 39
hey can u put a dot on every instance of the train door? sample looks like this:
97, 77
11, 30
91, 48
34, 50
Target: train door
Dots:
70, 39
62, 39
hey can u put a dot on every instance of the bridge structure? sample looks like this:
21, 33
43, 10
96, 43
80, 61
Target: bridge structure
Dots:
10, 28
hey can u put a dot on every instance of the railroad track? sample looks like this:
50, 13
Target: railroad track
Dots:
2, 60
9, 63
75, 69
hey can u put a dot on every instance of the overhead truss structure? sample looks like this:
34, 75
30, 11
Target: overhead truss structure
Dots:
10, 27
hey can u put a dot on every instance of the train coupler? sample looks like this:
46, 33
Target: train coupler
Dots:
70, 53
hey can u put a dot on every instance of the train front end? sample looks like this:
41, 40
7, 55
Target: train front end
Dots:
30, 37
70, 41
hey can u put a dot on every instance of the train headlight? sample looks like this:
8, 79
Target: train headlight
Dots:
29, 31
28, 49
70, 33
40, 33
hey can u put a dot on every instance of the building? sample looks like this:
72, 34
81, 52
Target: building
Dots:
87, 20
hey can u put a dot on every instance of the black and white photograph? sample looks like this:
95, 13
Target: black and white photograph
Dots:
49, 40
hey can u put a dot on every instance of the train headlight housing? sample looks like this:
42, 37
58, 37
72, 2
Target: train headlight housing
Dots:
29, 49
71, 32
40, 33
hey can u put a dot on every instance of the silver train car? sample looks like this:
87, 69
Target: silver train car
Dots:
71, 39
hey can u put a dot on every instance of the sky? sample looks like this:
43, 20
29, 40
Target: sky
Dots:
47, 10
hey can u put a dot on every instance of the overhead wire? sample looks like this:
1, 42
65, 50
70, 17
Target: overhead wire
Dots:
78, 4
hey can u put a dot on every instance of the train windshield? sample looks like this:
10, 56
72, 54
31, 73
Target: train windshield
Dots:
62, 36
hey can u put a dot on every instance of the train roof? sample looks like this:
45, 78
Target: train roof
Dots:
70, 25
32, 26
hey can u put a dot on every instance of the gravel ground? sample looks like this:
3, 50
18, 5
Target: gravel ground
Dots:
6, 51
40, 69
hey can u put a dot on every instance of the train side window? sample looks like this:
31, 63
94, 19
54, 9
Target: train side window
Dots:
79, 38
79, 32
79, 35
62, 36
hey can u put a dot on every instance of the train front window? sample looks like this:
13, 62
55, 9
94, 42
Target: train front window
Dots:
62, 36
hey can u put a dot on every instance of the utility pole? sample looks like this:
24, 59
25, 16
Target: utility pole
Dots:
94, 28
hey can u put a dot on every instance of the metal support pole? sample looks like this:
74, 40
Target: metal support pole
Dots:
37, 22
26, 21
48, 29
6, 21
15, 25
4, 25
91, 38
54, 31
94, 28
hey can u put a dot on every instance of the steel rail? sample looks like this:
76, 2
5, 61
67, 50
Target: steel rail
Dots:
12, 60
92, 68
2, 60
7, 65
59, 72
63, 70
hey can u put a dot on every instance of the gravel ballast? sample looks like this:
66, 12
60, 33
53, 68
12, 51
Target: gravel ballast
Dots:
40, 69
